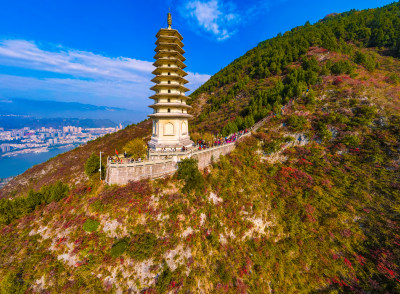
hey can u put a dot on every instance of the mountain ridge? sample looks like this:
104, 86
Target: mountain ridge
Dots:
55, 109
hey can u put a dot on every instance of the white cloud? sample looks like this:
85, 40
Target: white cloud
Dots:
90, 78
222, 18
214, 16
26, 54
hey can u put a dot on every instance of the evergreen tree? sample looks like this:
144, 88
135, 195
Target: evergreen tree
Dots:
92, 166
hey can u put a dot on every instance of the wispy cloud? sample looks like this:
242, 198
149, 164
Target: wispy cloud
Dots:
91, 78
222, 18
213, 16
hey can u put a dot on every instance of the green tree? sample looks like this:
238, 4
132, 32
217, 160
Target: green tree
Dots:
208, 138
310, 98
189, 172
92, 166
341, 67
296, 123
136, 148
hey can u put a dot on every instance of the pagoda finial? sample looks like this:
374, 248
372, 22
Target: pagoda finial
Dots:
169, 20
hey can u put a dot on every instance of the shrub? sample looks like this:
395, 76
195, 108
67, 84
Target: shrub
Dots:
91, 225
271, 147
341, 67
222, 271
13, 283
274, 144
364, 115
310, 98
164, 280
296, 123
142, 246
368, 62
14, 209
136, 148
55, 192
393, 78
189, 172
324, 132
119, 248
351, 140
360, 57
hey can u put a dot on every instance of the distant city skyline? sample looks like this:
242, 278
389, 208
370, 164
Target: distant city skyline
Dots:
101, 52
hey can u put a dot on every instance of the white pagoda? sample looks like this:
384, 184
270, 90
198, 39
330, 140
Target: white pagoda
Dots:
170, 116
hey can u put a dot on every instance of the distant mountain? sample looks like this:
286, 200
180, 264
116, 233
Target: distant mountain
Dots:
18, 121
53, 109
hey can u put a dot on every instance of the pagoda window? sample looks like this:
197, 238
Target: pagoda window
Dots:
169, 73
169, 110
169, 91
169, 82
169, 100
169, 65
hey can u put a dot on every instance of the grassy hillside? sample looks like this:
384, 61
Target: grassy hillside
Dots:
309, 203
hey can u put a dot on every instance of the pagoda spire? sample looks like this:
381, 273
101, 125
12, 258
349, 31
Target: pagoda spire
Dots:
169, 18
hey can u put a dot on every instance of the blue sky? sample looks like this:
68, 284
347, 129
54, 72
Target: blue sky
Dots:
101, 52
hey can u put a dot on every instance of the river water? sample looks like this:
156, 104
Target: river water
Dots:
15, 165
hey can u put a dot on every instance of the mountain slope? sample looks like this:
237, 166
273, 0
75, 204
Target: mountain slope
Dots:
309, 203
244, 86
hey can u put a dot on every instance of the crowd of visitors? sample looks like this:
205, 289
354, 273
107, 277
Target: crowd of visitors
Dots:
117, 159
201, 144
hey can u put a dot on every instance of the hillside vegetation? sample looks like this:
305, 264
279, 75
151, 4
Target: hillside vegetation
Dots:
309, 203
269, 75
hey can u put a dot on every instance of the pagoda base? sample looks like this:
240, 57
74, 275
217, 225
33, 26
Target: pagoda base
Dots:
155, 144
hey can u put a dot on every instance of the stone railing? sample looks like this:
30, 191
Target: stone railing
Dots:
124, 162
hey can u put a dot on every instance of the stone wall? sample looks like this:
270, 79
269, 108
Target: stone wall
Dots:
205, 157
121, 174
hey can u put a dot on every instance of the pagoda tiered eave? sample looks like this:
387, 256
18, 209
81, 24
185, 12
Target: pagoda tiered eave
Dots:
163, 53
163, 46
162, 61
169, 32
170, 115
162, 78
169, 104
178, 87
169, 95
169, 39
159, 70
